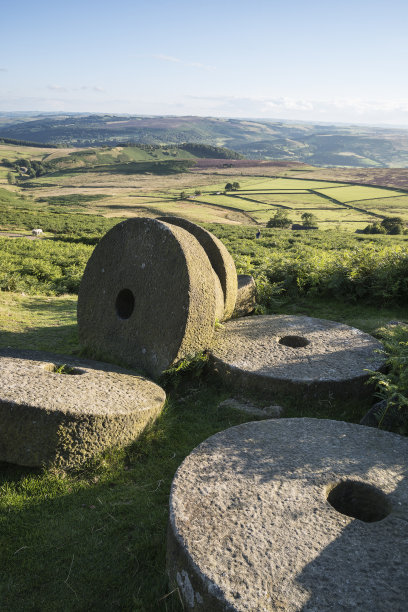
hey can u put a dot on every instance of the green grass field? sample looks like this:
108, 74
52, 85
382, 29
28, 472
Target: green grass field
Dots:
108, 171
356, 193
95, 539
329, 202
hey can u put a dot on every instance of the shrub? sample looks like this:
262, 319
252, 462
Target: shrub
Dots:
393, 385
280, 219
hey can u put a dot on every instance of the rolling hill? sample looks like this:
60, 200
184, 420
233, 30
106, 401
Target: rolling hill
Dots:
318, 145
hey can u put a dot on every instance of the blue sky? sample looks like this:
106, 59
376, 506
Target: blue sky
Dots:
314, 61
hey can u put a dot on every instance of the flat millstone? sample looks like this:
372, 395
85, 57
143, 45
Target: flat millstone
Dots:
251, 528
48, 418
248, 355
219, 257
147, 296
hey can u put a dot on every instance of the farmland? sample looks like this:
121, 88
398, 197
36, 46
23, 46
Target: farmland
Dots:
123, 182
96, 538
334, 145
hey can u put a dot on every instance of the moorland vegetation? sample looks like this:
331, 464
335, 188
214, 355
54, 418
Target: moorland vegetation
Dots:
327, 145
95, 538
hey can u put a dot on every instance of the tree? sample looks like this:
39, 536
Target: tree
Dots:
280, 219
393, 225
228, 187
235, 186
309, 219
197, 192
374, 228
183, 195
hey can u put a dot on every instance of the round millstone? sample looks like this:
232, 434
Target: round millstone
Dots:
314, 358
60, 410
147, 297
292, 515
219, 257
246, 296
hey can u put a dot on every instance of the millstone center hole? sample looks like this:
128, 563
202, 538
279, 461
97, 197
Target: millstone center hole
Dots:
294, 341
125, 303
63, 368
359, 500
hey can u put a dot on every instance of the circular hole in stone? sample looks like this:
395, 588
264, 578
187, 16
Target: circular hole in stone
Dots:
63, 368
125, 303
359, 500
294, 341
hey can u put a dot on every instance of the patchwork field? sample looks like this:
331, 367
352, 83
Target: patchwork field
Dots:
335, 205
115, 182
95, 539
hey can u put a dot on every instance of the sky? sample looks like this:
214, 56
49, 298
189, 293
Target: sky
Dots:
331, 61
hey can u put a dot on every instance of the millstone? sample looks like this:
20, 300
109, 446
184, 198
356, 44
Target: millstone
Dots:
147, 297
316, 358
246, 296
290, 515
63, 419
219, 257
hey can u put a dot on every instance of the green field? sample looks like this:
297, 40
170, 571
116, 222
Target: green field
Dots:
95, 539
120, 176
329, 202
356, 192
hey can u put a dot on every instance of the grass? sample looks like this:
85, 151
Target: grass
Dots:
38, 322
95, 539
255, 202
355, 193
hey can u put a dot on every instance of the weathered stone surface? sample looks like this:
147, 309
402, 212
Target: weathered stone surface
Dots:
292, 515
49, 418
219, 257
147, 297
246, 296
314, 358
265, 412
219, 298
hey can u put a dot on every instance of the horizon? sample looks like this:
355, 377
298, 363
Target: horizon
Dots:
340, 64
41, 113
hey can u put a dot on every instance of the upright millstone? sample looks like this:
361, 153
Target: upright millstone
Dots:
219, 257
147, 297
246, 296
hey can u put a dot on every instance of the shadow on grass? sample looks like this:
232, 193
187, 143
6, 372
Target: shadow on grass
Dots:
96, 539
54, 339
44, 323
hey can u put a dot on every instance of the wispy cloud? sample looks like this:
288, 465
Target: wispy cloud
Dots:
167, 58
63, 89
57, 88
177, 60
288, 106
90, 88
3, 70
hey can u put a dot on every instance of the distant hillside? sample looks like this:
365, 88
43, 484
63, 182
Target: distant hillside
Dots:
125, 159
321, 145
